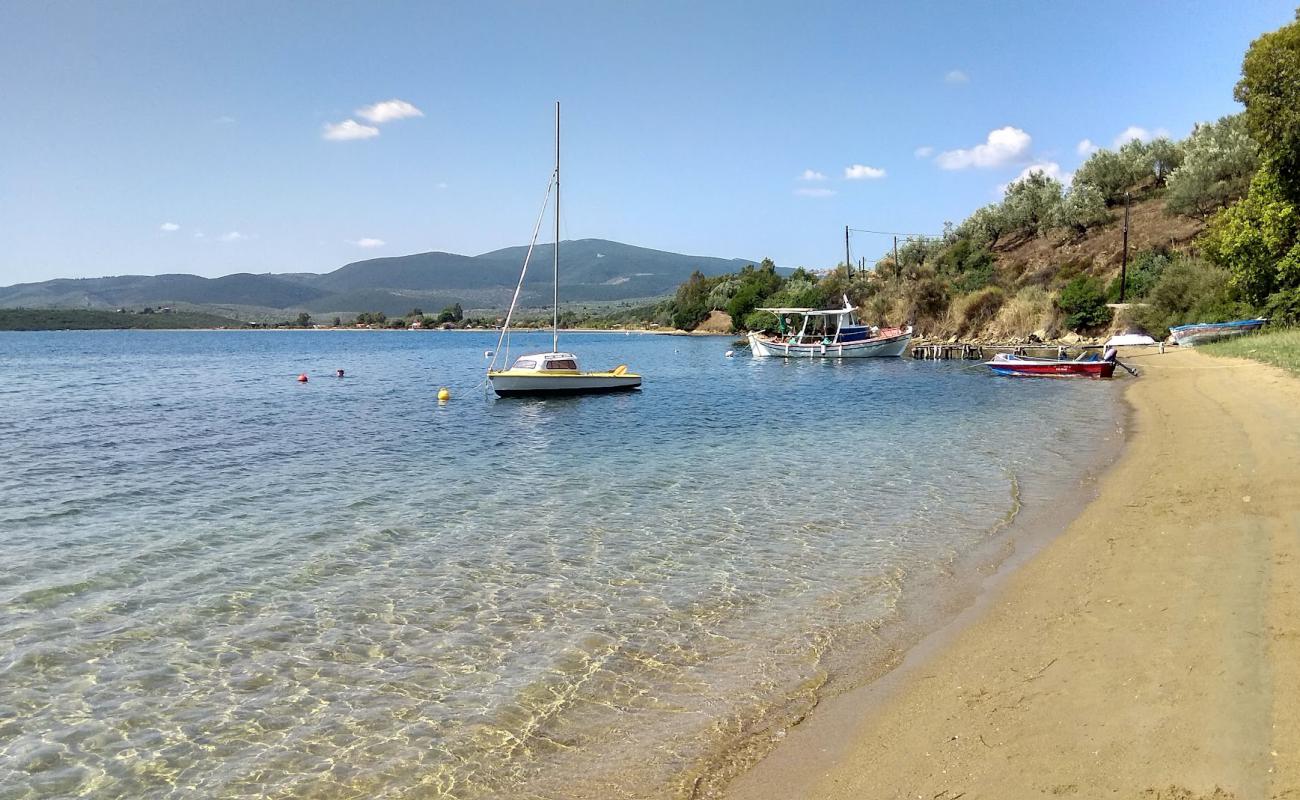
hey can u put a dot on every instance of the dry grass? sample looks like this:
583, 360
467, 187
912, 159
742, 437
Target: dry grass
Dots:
973, 312
1030, 310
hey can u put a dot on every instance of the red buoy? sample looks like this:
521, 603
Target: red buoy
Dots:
302, 378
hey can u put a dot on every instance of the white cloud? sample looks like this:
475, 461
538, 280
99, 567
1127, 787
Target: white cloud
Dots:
1137, 132
1003, 146
369, 243
233, 236
347, 131
858, 172
225, 119
818, 192
169, 227
923, 152
1086, 148
442, 184
812, 175
956, 76
198, 235
388, 110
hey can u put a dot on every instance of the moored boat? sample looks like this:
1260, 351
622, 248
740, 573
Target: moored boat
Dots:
1202, 332
541, 374
1084, 366
553, 372
827, 333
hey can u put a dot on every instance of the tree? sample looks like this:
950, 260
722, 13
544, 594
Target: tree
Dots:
1113, 173
1219, 160
1083, 207
1255, 239
1270, 90
1031, 203
338, 323
415, 312
304, 319
452, 313
985, 226
1162, 157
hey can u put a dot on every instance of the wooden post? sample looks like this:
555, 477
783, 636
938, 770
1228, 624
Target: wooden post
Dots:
1123, 269
848, 261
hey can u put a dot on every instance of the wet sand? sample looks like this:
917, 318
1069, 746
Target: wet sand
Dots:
1151, 650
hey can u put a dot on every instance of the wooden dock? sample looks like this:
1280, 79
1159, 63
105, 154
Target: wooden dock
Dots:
945, 351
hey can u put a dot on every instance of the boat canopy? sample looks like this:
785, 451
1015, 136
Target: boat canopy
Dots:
811, 312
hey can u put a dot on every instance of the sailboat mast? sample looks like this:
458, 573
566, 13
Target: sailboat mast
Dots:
555, 284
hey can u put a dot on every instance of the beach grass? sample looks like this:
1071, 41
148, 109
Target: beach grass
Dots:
1281, 348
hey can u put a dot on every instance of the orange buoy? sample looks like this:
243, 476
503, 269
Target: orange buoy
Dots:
302, 378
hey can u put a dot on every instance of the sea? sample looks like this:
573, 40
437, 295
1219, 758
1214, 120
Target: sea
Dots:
217, 581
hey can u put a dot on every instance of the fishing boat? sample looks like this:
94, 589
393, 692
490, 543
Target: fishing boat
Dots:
1202, 332
1089, 365
553, 372
827, 333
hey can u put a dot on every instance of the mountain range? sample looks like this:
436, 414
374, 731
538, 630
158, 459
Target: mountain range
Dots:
591, 270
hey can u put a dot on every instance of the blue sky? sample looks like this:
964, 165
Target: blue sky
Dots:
687, 126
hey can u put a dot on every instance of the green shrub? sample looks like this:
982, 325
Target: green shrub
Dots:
1084, 303
1283, 308
1143, 272
1189, 290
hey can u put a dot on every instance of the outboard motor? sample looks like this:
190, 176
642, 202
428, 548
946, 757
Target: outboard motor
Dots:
1111, 354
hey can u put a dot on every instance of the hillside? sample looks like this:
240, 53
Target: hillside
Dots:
592, 270
1099, 251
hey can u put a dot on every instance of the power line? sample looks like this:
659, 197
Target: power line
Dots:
898, 233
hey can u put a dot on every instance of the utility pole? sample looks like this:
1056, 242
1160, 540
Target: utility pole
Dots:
1123, 269
898, 268
848, 262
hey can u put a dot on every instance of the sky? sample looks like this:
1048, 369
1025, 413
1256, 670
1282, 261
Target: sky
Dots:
214, 138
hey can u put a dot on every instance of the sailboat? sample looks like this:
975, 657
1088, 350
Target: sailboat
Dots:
553, 372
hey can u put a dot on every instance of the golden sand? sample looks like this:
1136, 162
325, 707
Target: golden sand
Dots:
1152, 650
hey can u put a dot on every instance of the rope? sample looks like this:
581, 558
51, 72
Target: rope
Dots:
546, 199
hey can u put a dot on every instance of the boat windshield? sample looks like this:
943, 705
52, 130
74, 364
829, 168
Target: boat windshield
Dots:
525, 363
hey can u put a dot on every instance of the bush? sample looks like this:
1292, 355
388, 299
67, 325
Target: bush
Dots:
969, 265
1283, 308
1084, 303
1189, 290
1143, 272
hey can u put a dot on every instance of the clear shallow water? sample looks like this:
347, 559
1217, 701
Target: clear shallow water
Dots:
218, 582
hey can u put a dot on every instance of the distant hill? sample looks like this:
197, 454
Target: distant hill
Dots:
591, 270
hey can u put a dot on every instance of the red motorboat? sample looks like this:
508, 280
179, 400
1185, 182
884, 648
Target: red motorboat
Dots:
1088, 365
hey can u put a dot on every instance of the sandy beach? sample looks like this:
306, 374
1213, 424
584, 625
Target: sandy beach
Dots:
1151, 650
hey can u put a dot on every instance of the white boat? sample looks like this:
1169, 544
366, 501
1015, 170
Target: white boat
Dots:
828, 333
553, 372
